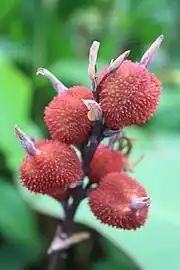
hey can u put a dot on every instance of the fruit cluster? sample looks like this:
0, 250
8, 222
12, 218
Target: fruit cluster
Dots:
125, 93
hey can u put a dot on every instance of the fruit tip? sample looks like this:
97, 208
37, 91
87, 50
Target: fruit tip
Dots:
149, 55
25, 141
58, 85
40, 71
140, 203
115, 64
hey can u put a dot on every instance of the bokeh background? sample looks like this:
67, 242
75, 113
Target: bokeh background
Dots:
57, 34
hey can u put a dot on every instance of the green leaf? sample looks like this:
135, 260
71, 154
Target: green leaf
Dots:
167, 116
41, 203
16, 219
6, 7
15, 51
114, 258
15, 99
17, 256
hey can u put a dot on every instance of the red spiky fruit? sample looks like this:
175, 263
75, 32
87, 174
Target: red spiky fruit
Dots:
51, 168
105, 160
60, 194
129, 96
81, 92
103, 73
66, 119
110, 202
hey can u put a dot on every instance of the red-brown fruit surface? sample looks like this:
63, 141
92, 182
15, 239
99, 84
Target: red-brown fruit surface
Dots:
66, 119
129, 96
104, 161
81, 92
60, 194
103, 73
55, 166
110, 202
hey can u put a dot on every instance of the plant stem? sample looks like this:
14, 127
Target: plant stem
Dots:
79, 193
95, 139
66, 229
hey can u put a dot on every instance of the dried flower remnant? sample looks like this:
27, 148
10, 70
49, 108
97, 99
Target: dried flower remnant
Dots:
117, 202
115, 64
58, 86
128, 166
53, 166
150, 53
95, 112
92, 69
60, 244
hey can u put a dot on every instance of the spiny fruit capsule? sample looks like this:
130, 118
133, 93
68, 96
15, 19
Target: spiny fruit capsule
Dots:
66, 119
120, 201
61, 194
105, 160
54, 166
49, 165
81, 92
129, 96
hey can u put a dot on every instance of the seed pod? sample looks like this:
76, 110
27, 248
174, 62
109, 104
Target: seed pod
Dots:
120, 201
81, 92
66, 119
54, 166
129, 96
105, 161
61, 194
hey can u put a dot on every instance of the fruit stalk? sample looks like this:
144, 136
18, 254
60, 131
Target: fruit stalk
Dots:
79, 194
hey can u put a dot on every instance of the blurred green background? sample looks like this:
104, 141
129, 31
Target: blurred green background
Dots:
57, 34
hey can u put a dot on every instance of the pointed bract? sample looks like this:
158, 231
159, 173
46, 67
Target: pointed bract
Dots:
26, 142
92, 59
115, 64
150, 53
58, 86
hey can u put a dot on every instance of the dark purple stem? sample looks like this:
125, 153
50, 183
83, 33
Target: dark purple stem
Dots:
79, 193
90, 149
